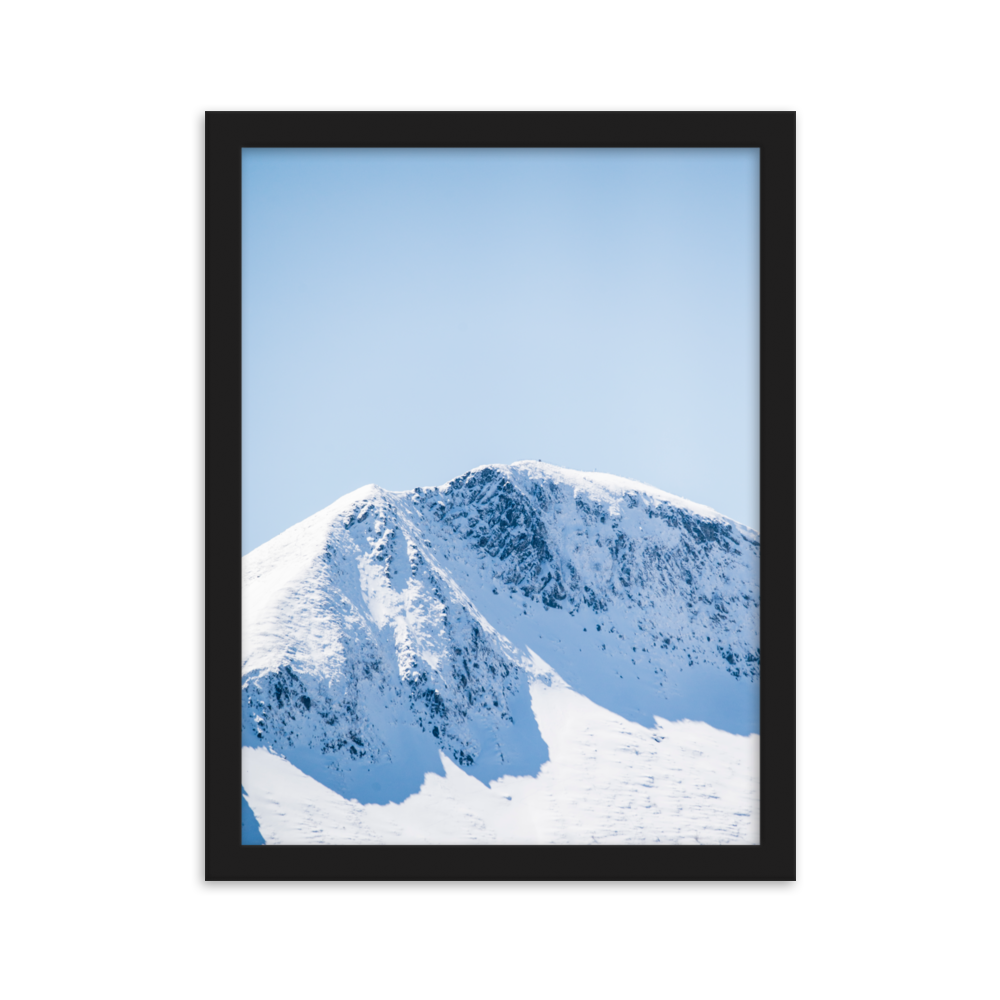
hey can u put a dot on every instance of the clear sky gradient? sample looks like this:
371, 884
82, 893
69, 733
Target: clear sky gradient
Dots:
411, 314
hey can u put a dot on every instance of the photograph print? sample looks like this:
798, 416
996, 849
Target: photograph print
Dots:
500, 496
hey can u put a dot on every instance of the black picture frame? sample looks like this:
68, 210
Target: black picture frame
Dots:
227, 133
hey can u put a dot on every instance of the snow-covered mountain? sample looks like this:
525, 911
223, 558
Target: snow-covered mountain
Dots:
469, 631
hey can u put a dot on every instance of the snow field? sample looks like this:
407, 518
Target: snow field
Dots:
607, 781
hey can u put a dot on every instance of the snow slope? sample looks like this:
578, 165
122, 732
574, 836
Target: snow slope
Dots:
507, 657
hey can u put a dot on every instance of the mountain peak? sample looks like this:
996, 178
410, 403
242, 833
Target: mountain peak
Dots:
391, 627
393, 631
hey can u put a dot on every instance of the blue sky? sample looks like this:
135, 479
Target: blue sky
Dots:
411, 314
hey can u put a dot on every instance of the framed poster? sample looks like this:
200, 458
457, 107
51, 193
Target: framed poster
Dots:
498, 409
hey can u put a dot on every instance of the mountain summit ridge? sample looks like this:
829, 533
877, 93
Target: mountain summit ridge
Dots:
393, 626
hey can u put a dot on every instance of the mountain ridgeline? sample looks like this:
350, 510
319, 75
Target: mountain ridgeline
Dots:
391, 627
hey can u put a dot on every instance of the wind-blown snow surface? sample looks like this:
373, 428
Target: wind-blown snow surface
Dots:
510, 657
